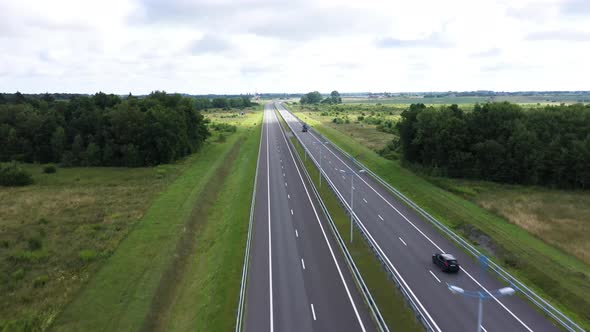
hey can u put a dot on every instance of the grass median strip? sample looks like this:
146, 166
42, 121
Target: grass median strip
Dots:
566, 283
390, 301
121, 295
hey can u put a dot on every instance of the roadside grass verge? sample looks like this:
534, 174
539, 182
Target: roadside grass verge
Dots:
121, 294
566, 283
390, 301
206, 297
558, 217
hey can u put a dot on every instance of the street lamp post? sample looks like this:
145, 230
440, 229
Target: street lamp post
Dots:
351, 198
321, 169
506, 291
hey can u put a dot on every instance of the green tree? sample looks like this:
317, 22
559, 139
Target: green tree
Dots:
58, 143
335, 97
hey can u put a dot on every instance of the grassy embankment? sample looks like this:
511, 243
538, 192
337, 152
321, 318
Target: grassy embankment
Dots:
388, 298
61, 233
566, 283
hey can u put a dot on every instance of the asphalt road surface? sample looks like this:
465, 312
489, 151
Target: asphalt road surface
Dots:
409, 242
297, 278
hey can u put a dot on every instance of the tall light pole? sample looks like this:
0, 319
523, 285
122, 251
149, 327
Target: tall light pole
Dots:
506, 291
321, 169
351, 198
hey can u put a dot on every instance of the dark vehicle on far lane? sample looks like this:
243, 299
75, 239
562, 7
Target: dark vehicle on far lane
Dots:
304, 128
446, 262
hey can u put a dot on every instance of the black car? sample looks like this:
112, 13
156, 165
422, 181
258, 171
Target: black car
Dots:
304, 128
446, 262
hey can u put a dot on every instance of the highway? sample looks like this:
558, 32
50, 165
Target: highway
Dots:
408, 242
297, 278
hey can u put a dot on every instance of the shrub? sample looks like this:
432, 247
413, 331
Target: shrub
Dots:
40, 281
360, 118
87, 255
34, 243
49, 169
27, 256
18, 274
11, 175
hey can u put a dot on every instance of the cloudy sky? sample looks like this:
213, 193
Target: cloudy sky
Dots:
243, 46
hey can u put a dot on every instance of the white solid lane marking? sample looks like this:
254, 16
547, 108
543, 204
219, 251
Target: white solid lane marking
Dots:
358, 317
435, 277
269, 233
313, 311
291, 211
303, 263
430, 240
296, 233
364, 200
404, 242
380, 217
483, 328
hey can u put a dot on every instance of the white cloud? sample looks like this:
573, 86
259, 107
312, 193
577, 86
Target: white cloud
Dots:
224, 46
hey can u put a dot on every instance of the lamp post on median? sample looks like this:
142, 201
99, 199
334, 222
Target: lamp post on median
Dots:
321, 169
506, 291
352, 174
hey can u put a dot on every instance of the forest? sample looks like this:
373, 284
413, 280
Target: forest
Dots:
501, 142
103, 130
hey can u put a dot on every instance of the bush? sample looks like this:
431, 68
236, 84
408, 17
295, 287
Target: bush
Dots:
49, 169
87, 255
34, 243
11, 175
40, 281
27, 256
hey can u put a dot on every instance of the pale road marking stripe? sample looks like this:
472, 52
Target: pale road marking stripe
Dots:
430, 240
288, 196
358, 317
291, 211
483, 328
303, 263
269, 231
404, 242
296, 233
365, 200
389, 262
435, 277
380, 217
285, 184
313, 311
283, 174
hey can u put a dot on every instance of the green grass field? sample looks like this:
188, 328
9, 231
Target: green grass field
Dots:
139, 287
566, 283
56, 233
390, 301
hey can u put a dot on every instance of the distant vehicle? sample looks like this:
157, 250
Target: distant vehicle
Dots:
304, 128
446, 262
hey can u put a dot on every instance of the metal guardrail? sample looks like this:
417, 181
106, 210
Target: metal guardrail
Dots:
537, 300
242, 297
380, 321
393, 273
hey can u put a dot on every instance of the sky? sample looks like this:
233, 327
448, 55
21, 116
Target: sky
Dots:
248, 46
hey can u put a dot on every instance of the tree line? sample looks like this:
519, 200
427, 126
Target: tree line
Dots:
316, 98
500, 142
101, 130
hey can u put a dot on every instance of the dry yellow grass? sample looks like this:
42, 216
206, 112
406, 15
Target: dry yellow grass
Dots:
558, 217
